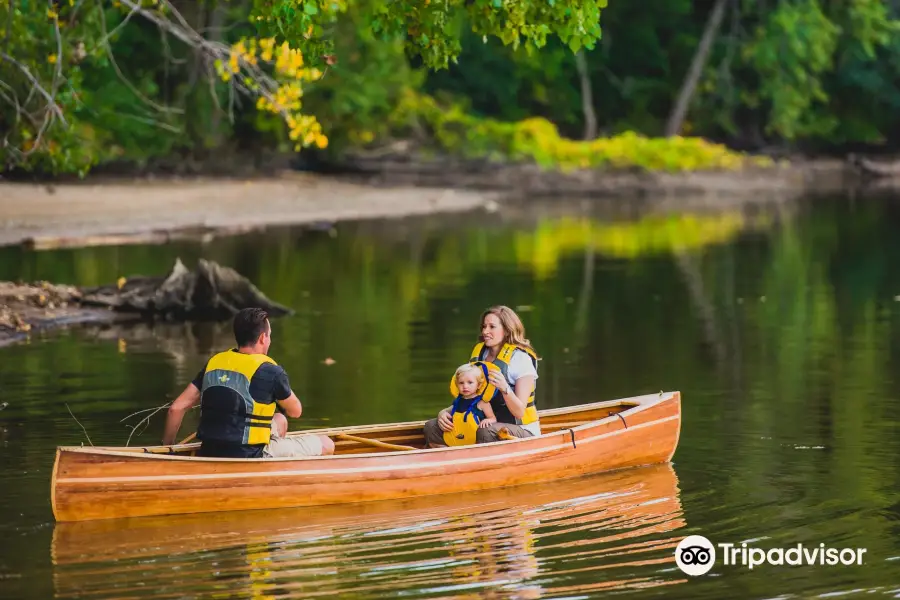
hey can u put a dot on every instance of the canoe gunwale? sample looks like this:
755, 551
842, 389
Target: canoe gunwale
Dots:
641, 403
563, 445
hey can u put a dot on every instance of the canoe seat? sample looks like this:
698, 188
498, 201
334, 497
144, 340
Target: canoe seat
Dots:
552, 427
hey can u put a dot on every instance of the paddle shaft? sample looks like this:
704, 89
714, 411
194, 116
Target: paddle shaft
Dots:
379, 443
343, 436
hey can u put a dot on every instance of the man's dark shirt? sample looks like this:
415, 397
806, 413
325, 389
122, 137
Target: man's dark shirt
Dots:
268, 381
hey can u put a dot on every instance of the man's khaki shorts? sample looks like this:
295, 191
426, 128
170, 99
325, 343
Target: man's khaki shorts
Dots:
293, 446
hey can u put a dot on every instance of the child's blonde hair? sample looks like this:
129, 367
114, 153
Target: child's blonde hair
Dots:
467, 368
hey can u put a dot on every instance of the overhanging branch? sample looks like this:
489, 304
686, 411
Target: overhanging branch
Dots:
36, 86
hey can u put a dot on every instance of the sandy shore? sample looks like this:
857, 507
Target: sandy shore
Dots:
69, 214
134, 210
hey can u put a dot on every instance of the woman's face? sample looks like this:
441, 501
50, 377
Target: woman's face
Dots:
492, 331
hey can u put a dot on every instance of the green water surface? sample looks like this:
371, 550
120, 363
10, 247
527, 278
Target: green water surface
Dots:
777, 325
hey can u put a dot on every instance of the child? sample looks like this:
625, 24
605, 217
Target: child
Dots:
472, 408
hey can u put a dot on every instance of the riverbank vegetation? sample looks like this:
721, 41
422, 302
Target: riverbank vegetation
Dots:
672, 85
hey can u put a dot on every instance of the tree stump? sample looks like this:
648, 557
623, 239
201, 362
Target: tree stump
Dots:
211, 291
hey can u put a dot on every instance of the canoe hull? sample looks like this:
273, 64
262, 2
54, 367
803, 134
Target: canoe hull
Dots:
103, 483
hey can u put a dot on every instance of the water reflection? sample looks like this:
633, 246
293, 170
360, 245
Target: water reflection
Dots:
609, 532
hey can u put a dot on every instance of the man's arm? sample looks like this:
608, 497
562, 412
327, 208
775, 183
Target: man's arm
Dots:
285, 397
187, 400
291, 406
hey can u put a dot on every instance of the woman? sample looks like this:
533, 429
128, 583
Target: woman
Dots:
502, 342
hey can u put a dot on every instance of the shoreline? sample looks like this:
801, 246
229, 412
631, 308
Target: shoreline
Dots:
785, 179
124, 210
121, 209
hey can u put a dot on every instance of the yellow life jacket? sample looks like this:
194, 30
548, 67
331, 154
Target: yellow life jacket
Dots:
464, 412
501, 411
228, 413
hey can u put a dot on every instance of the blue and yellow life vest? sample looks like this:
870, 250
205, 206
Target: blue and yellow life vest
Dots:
228, 413
498, 404
465, 412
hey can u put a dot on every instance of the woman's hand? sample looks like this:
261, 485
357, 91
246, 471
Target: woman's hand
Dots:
487, 422
499, 382
444, 420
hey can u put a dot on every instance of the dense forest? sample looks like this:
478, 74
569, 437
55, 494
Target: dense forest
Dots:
660, 84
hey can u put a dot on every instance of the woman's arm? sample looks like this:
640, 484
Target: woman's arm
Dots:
516, 399
444, 421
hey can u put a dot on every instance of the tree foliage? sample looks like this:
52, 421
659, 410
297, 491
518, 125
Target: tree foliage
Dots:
92, 82
430, 28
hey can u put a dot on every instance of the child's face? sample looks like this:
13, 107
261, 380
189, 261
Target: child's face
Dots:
468, 384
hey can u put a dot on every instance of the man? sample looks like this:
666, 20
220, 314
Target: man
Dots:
237, 392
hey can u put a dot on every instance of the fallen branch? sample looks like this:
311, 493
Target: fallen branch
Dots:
145, 421
79, 424
134, 414
878, 169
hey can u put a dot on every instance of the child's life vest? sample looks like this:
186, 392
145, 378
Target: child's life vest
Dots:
464, 412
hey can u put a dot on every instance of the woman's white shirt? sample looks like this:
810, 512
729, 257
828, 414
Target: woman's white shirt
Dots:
521, 366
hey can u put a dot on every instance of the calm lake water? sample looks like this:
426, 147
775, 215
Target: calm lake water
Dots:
777, 325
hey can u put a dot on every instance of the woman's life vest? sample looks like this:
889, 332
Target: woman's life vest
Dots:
498, 404
465, 412
228, 414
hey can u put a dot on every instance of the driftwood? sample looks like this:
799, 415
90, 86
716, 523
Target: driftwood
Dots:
875, 168
211, 291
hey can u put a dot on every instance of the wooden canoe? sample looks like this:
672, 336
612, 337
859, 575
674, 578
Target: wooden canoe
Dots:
113, 482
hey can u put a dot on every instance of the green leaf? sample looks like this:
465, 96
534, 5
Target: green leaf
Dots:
310, 8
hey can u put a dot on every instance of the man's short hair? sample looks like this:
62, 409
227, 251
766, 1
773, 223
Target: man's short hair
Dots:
249, 324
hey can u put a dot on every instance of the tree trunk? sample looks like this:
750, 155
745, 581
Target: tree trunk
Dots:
216, 23
587, 97
676, 119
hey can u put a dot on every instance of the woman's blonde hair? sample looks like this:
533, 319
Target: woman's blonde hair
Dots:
513, 329
466, 368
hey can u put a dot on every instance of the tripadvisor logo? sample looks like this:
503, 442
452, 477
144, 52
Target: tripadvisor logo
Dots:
696, 555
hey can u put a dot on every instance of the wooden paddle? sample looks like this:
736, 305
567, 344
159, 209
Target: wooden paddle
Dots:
371, 442
168, 449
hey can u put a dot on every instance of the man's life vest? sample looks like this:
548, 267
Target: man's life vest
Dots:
501, 411
465, 412
228, 414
